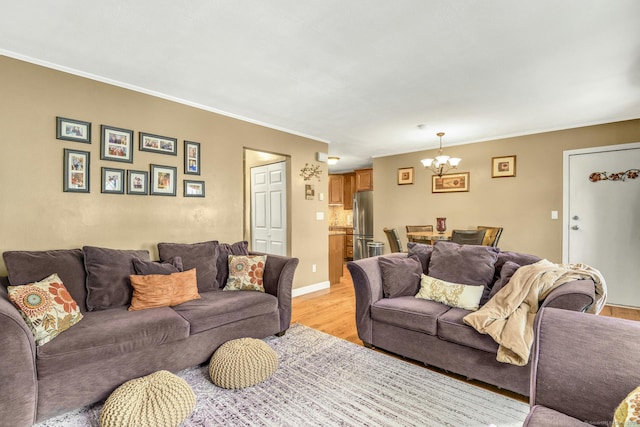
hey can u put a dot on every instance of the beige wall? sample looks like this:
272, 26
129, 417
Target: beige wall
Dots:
522, 205
36, 214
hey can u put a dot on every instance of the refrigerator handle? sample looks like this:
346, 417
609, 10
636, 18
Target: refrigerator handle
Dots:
355, 216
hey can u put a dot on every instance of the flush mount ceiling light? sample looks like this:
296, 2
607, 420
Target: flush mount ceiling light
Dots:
442, 163
333, 160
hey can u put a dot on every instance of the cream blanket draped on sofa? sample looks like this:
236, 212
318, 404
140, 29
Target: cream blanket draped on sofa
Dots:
508, 317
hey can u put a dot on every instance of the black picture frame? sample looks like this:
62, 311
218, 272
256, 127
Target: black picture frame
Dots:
137, 182
73, 130
162, 180
76, 174
193, 188
116, 144
158, 144
113, 181
191, 158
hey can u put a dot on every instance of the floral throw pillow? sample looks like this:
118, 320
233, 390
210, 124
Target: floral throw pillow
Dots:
46, 306
451, 294
245, 273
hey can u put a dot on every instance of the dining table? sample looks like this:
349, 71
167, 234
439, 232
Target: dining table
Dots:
429, 236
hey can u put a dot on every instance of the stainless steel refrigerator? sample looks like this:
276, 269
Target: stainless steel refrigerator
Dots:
362, 223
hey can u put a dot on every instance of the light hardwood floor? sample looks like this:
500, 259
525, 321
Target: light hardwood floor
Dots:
333, 311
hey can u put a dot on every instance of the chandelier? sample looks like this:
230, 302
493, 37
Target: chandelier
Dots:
442, 163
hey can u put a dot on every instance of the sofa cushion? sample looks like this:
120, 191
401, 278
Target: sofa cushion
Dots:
201, 256
409, 313
465, 264
219, 308
31, 266
246, 273
222, 263
163, 290
46, 306
422, 252
506, 272
451, 294
173, 265
107, 333
400, 276
452, 328
108, 272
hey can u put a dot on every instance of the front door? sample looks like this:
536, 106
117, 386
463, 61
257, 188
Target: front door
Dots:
269, 209
602, 216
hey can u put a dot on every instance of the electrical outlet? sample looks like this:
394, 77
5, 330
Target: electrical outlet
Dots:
313, 268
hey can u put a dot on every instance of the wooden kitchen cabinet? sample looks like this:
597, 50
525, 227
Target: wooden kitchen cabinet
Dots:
348, 244
349, 185
336, 189
336, 257
364, 179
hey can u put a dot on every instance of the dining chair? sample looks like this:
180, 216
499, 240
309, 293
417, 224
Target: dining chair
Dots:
394, 239
468, 237
411, 228
491, 236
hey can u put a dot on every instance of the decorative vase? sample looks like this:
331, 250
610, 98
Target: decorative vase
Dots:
441, 225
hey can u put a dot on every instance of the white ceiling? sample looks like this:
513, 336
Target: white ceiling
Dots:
360, 74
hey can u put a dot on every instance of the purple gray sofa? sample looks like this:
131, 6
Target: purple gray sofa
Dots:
111, 345
582, 367
433, 333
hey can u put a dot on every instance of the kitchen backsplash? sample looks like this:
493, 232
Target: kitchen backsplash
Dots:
340, 217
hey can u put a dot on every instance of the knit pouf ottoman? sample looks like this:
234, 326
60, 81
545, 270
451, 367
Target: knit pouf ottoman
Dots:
242, 362
160, 399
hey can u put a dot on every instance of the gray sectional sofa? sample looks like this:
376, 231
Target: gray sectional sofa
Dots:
110, 344
583, 366
389, 317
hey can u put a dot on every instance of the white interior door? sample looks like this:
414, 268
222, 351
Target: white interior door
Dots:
269, 208
602, 218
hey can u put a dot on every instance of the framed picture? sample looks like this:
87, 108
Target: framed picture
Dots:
116, 144
158, 144
193, 188
405, 176
163, 180
309, 192
76, 171
450, 183
137, 182
191, 158
112, 181
503, 166
73, 130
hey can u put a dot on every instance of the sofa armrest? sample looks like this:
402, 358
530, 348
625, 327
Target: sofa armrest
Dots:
278, 281
19, 390
367, 283
575, 296
584, 365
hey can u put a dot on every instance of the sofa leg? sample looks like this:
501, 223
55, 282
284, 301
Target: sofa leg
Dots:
367, 345
281, 333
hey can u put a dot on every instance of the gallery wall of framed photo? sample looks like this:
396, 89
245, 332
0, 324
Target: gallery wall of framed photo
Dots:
117, 145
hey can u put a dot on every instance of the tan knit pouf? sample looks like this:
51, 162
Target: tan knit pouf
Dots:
242, 363
160, 399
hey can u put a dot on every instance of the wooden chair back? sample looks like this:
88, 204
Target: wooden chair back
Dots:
468, 237
491, 236
411, 228
395, 245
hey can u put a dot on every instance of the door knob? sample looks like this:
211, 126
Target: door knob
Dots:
575, 217
575, 227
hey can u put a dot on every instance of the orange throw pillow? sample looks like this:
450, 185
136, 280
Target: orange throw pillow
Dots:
163, 290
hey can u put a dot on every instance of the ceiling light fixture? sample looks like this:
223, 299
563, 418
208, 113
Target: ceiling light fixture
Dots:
442, 163
333, 160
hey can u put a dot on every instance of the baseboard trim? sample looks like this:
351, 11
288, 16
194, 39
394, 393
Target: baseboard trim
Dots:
311, 288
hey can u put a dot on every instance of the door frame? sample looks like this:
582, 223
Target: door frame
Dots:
565, 185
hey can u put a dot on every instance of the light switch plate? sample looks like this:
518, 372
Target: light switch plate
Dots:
554, 214
320, 216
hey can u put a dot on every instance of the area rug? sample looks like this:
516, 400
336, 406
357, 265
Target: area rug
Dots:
322, 380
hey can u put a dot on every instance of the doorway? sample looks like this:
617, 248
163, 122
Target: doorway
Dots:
601, 225
267, 202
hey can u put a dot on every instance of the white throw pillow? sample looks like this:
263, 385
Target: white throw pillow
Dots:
451, 294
